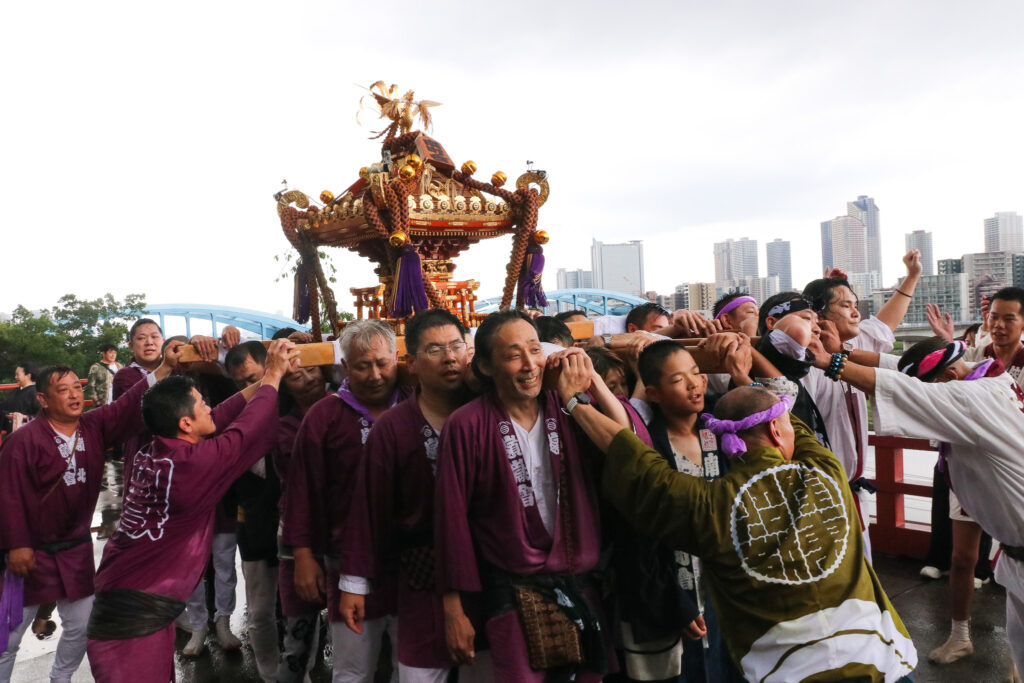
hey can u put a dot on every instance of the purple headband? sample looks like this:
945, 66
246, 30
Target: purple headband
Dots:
735, 303
731, 443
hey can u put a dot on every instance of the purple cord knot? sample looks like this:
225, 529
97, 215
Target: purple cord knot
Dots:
732, 444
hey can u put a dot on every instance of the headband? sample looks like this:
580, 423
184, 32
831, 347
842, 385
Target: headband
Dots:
735, 303
791, 306
732, 444
936, 361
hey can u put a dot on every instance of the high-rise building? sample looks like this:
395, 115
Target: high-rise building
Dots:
988, 272
848, 248
950, 292
779, 263
681, 297
735, 259
1005, 232
865, 210
826, 245
574, 279
951, 266
618, 267
758, 287
863, 284
696, 296
922, 241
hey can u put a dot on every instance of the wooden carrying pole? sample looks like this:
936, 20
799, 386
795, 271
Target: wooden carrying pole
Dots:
323, 353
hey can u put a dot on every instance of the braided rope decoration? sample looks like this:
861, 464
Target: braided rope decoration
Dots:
395, 143
525, 203
373, 216
396, 195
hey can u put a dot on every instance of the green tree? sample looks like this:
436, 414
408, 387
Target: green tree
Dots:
70, 333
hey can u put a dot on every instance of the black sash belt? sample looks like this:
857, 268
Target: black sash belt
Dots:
125, 613
1014, 552
60, 546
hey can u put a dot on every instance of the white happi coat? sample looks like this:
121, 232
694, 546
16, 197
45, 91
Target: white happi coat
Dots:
983, 421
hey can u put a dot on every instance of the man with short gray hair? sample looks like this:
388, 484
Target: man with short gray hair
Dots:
320, 483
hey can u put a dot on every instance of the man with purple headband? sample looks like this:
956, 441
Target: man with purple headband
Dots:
779, 537
737, 313
977, 411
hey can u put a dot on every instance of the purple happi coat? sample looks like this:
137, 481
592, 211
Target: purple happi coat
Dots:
321, 481
164, 535
125, 379
48, 495
393, 512
483, 517
292, 605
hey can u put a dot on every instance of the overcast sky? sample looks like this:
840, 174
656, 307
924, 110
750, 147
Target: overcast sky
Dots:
142, 142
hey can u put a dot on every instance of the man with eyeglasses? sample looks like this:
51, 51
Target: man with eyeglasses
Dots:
322, 482
393, 512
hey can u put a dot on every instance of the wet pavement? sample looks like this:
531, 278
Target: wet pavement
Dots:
922, 603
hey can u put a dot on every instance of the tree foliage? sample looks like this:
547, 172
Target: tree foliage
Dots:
69, 333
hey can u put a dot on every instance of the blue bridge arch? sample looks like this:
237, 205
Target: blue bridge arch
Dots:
594, 301
257, 322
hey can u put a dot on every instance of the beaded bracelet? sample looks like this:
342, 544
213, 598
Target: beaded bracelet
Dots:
755, 384
835, 367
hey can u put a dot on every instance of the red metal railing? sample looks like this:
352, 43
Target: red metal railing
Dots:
891, 532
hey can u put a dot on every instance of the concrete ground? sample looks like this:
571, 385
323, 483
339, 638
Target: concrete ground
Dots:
921, 603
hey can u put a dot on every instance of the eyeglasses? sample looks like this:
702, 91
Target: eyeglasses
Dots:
438, 350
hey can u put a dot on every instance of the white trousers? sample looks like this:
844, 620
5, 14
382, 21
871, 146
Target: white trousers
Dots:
300, 648
480, 671
261, 607
224, 582
355, 656
74, 618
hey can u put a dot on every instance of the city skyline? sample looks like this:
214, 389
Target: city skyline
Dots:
958, 283
199, 144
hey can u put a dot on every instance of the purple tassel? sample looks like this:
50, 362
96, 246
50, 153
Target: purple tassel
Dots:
529, 279
300, 304
733, 445
409, 291
11, 606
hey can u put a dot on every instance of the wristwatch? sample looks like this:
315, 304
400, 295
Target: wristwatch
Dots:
607, 340
580, 398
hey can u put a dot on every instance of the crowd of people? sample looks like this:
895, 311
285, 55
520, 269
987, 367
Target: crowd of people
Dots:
509, 503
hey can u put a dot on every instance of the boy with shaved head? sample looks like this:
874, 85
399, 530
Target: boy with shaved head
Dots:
779, 538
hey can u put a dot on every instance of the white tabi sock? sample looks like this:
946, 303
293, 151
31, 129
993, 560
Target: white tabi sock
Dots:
961, 630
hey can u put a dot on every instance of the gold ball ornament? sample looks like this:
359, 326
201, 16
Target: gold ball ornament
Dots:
469, 168
541, 237
407, 172
498, 179
414, 161
326, 196
398, 238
